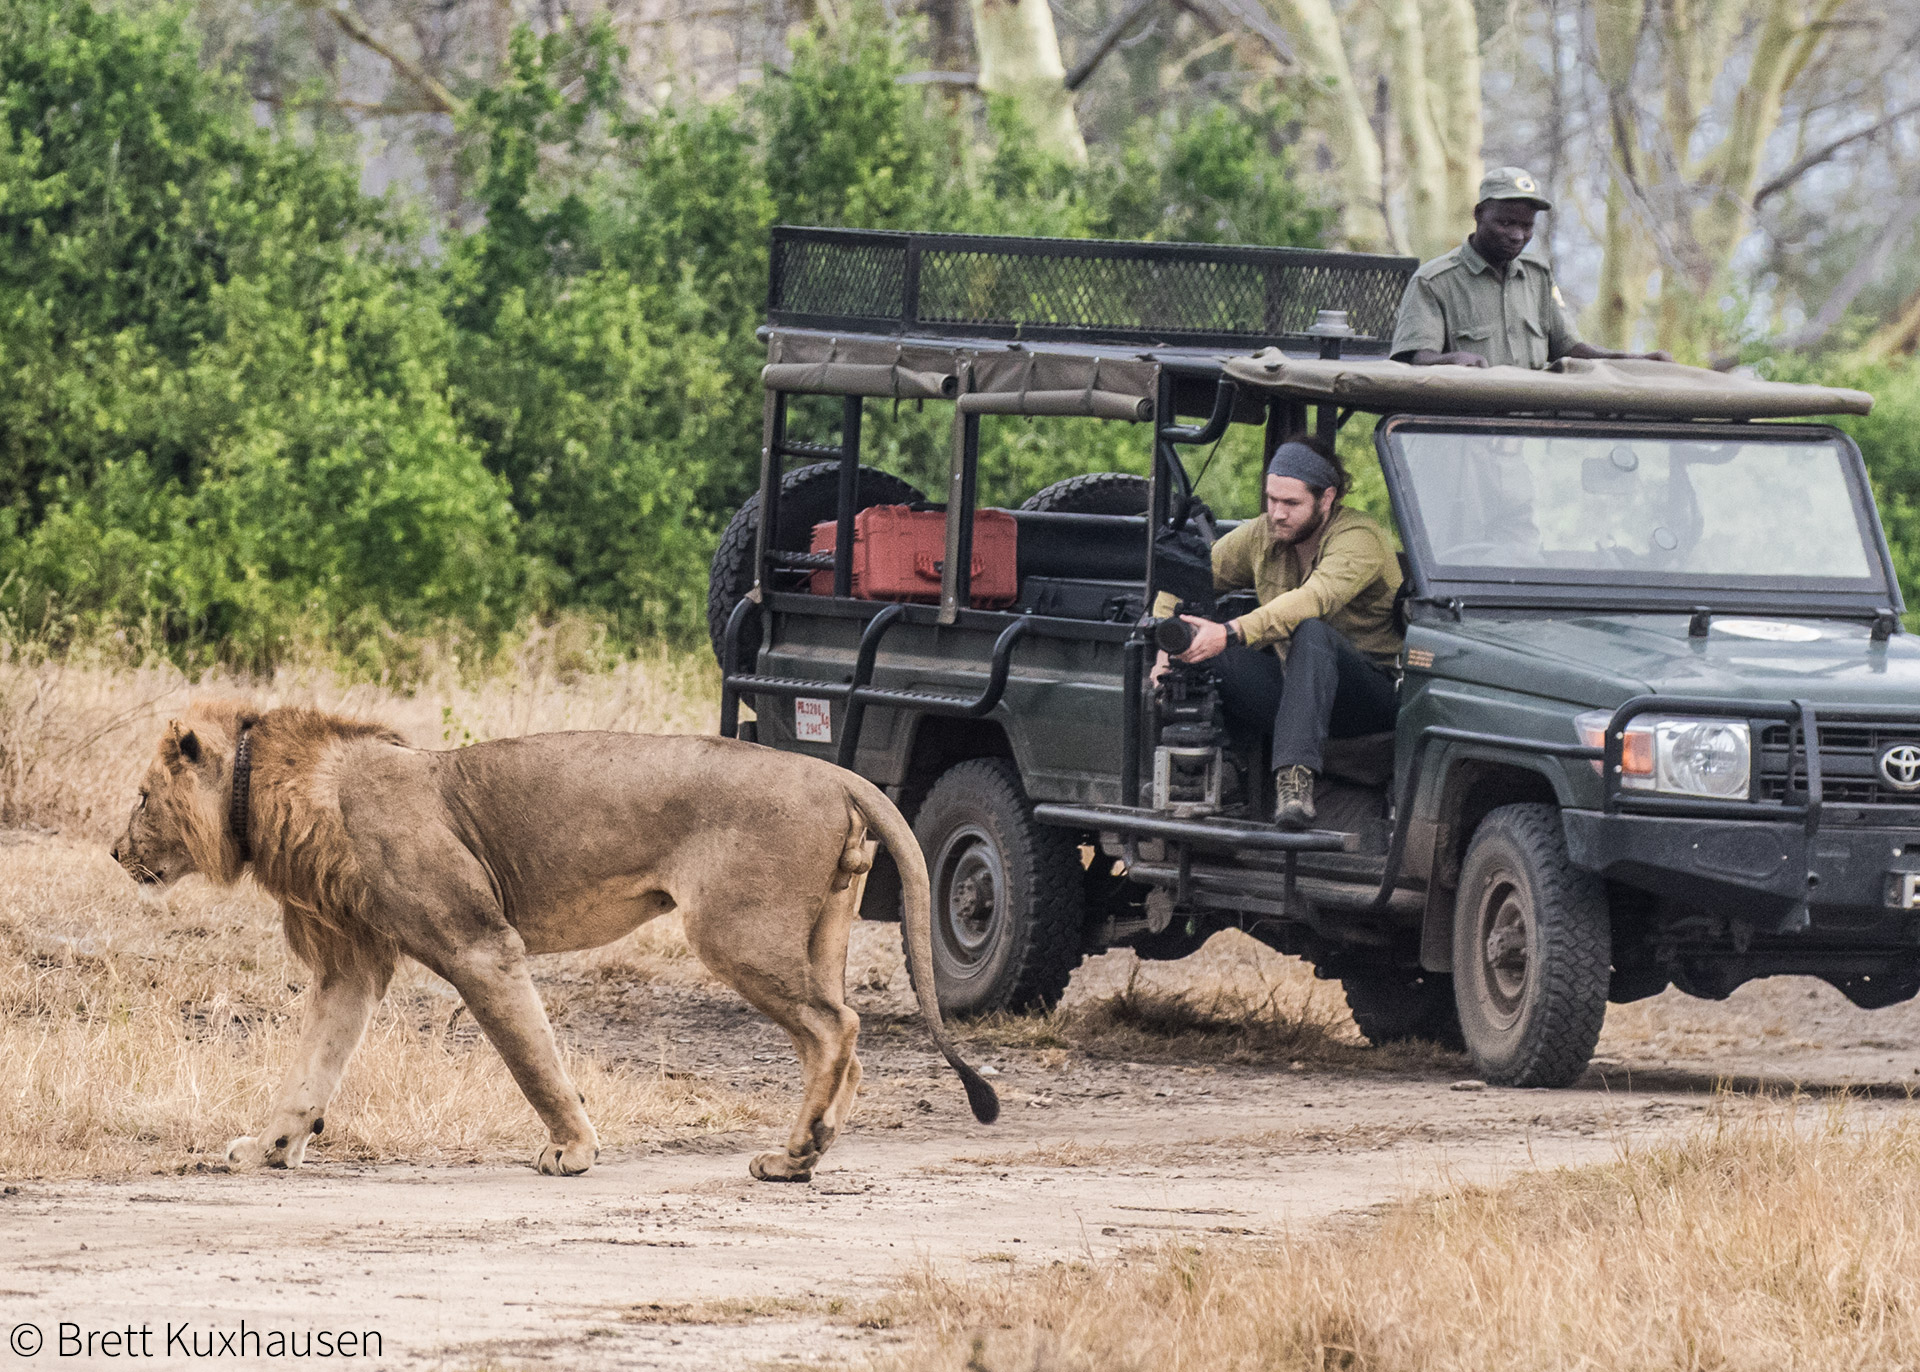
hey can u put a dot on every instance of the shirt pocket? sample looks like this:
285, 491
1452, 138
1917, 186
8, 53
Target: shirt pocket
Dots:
1473, 337
1536, 344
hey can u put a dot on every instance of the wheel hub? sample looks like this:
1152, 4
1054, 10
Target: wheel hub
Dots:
971, 881
1506, 947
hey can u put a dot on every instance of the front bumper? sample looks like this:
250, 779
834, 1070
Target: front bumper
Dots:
1771, 876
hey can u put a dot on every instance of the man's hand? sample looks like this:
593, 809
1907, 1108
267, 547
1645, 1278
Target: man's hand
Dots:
1209, 640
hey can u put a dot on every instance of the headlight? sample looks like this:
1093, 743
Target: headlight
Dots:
1678, 756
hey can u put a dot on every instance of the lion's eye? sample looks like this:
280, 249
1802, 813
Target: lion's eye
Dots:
143, 801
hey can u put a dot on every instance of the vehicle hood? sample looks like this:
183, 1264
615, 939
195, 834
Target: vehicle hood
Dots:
1601, 660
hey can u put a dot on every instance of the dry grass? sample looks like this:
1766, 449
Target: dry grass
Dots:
1775, 1238
1236, 1001
140, 1035
76, 734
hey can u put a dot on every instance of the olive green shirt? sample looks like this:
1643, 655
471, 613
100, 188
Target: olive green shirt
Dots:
1459, 303
1351, 584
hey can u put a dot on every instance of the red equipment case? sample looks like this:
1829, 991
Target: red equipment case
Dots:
898, 554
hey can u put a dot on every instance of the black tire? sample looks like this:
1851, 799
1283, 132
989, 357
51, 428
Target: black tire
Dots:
1007, 893
1095, 493
1405, 1007
1532, 951
807, 496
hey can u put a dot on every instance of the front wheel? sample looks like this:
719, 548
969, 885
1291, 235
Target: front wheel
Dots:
1008, 903
1532, 951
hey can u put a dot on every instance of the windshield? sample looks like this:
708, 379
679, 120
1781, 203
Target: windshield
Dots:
1683, 511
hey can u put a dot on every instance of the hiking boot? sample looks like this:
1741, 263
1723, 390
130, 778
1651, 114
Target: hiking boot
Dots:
1293, 797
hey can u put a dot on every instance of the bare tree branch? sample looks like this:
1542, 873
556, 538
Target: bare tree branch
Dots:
1801, 166
442, 100
1104, 44
1249, 16
377, 110
1858, 278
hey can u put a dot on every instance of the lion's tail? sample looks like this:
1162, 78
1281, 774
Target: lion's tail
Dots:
916, 920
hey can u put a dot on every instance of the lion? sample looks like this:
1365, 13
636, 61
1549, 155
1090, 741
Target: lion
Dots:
474, 859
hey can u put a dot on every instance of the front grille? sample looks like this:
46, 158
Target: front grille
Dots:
1850, 755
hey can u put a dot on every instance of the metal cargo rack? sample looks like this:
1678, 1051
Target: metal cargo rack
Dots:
1077, 290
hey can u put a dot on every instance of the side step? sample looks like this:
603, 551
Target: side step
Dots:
1215, 835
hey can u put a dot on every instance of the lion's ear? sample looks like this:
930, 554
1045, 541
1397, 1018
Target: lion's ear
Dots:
179, 743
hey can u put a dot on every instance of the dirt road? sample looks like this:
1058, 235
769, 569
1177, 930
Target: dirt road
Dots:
673, 1258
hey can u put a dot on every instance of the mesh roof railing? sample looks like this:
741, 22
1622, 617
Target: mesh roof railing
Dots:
1064, 289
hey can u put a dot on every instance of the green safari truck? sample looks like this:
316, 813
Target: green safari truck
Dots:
1658, 725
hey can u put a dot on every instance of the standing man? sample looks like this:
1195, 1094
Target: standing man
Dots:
1316, 659
1485, 305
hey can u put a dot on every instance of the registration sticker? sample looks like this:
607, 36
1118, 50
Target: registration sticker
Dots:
813, 720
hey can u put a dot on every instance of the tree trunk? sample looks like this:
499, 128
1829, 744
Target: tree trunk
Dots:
1429, 230
1672, 202
1900, 337
1339, 111
1020, 61
1453, 35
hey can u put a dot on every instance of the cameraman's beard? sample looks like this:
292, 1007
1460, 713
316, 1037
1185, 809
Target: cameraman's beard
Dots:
1312, 527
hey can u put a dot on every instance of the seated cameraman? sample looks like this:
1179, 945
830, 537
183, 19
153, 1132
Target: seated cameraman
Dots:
1316, 660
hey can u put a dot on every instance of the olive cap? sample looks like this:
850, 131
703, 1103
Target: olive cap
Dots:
1512, 183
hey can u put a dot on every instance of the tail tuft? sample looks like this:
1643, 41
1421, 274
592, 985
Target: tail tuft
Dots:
986, 1104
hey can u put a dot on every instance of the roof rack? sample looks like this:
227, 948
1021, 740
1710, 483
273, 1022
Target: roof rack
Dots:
934, 285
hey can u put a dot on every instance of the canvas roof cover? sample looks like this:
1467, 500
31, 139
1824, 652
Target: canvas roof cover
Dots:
1665, 390
1111, 382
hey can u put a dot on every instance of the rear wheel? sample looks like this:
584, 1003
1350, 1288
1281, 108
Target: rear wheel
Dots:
1532, 951
1404, 1007
1007, 893
808, 495
1114, 493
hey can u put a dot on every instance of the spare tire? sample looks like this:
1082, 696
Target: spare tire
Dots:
808, 495
1109, 493
1116, 493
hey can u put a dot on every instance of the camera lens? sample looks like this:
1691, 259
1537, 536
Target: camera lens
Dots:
1173, 636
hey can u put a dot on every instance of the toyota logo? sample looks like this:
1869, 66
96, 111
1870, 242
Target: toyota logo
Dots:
1900, 765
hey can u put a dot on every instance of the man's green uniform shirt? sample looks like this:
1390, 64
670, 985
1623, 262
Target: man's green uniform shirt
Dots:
1458, 303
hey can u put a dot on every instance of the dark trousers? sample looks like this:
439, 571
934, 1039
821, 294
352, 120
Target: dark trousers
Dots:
1326, 689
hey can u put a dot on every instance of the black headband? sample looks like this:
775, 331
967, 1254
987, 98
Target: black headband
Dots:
1302, 463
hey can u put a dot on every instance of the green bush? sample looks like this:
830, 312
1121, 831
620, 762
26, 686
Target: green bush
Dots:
225, 414
243, 405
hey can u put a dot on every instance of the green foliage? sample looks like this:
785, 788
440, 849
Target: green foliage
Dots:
243, 405
223, 409
1889, 439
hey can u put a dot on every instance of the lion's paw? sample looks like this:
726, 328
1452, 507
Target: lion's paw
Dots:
246, 1152
780, 1165
567, 1160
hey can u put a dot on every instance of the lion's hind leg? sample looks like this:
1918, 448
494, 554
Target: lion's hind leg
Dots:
349, 980
798, 980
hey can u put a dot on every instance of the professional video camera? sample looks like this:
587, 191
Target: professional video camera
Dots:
1190, 755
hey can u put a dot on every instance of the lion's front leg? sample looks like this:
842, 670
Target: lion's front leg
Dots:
342, 1002
499, 992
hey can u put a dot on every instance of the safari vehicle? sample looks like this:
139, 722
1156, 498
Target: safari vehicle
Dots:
1658, 723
